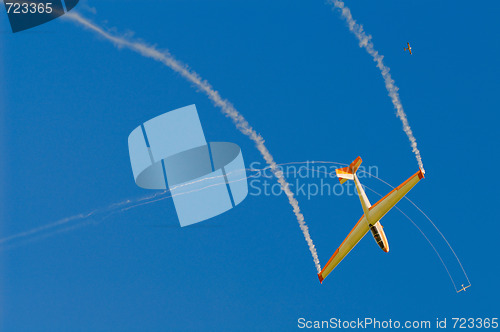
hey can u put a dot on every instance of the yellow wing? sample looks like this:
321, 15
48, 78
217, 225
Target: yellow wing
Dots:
347, 245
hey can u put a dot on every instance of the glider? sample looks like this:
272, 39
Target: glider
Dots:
370, 220
409, 48
463, 288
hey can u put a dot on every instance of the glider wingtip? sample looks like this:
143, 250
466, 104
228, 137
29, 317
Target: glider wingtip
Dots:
320, 277
421, 173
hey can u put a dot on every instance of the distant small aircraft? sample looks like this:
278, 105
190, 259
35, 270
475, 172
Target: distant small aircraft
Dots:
463, 288
370, 220
409, 48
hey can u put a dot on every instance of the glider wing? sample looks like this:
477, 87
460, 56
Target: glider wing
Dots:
356, 234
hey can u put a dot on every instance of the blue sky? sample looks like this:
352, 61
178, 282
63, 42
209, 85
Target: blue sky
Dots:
70, 99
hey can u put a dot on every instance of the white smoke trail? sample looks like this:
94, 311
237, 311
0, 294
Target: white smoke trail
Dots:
79, 220
83, 219
367, 44
73, 219
227, 108
45, 227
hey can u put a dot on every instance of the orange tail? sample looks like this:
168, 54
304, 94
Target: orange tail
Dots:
347, 173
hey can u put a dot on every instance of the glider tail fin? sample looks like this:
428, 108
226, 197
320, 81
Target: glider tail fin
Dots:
347, 173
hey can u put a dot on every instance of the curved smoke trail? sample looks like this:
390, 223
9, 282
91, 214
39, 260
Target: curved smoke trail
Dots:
227, 109
367, 44
98, 215
75, 218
